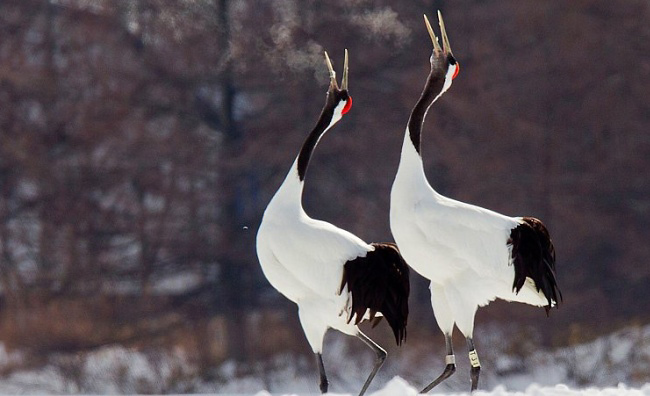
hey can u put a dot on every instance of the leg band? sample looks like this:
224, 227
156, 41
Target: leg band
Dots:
473, 358
450, 359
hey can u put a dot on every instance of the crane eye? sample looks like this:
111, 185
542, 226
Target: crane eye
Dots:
457, 70
348, 105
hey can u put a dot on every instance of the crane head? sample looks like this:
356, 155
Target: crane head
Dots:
442, 59
338, 98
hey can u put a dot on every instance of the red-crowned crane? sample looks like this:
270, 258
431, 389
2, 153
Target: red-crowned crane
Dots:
470, 254
332, 275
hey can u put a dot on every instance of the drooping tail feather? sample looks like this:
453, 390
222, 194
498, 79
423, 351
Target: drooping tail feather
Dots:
533, 255
379, 282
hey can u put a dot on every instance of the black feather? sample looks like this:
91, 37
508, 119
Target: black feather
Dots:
379, 282
533, 255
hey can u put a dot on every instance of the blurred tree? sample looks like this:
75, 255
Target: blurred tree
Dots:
140, 142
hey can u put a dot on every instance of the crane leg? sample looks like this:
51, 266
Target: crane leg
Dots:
323, 377
450, 368
476, 365
381, 357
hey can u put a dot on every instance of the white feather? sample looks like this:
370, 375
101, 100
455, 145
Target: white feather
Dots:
303, 258
461, 248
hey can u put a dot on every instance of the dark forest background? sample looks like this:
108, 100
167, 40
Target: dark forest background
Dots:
140, 142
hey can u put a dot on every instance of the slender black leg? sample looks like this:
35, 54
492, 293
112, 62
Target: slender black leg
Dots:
476, 365
321, 370
450, 368
381, 356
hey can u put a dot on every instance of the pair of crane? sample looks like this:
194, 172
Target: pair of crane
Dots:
470, 254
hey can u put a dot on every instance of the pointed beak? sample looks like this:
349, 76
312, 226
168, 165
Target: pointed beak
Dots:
445, 40
434, 39
333, 83
344, 83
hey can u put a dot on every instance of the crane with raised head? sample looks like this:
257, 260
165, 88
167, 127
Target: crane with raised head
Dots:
470, 254
336, 279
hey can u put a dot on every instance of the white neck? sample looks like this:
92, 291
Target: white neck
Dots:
289, 195
410, 178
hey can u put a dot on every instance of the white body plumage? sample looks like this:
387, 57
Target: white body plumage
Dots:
336, 279
470, 254
303, 258
461, 248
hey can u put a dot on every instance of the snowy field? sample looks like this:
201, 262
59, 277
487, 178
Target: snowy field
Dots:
399, 387
617, 364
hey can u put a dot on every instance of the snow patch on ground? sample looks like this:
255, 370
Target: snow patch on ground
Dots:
400, 387
620, 358
596, 368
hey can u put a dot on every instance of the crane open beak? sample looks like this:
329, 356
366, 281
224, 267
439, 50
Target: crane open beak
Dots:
344, 81
446, 48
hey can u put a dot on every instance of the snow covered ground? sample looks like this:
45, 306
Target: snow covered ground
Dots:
399, 387
620, 358
618, 364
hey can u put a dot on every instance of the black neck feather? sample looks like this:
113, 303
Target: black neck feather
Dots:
432, 88
334, 97
312, 139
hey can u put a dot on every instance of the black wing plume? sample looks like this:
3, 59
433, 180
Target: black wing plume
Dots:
379, 282
533, 255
